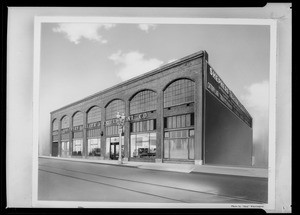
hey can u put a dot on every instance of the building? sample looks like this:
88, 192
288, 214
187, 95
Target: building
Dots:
181, 112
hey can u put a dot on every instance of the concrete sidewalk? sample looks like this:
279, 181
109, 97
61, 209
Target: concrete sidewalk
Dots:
183, 168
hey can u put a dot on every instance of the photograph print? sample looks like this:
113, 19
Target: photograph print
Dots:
153, 112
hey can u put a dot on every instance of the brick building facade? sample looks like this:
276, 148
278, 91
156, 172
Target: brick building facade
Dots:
181, 112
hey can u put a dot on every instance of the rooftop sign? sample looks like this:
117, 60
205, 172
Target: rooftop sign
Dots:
217, 87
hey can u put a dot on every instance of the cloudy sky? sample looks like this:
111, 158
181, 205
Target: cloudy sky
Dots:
78, 60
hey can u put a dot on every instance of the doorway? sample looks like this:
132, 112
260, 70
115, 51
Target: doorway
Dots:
54, 149
114, 151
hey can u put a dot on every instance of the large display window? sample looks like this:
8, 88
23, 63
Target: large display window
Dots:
65, 147
94, 147
179, 144
143, 145
77, 147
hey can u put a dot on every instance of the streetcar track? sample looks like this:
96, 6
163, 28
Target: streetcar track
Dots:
97, 182
159, 185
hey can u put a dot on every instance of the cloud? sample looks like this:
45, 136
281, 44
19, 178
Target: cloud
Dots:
75, 31
146, 27
133, 64
257, 102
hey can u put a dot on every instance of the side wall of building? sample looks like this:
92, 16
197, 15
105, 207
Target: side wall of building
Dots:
228, 140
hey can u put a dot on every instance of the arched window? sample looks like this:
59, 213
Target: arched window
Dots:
114, 107
55, 125
55, 130
93, 131
179, 92
78, 134
78, 119
143, 101
94, 115
65, 122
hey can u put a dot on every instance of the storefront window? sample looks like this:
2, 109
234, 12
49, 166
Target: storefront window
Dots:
94, 147
107, 152
143, 145
77, 147
179, 144
65, 147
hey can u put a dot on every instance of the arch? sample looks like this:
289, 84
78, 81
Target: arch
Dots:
171, 82
179, 91
114, 106
65, 122
76, 112
54, 124
94, 114
91, 107
77, 118
138, 91
143, 101
108, 103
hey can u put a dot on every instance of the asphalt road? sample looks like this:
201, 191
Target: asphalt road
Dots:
62, 180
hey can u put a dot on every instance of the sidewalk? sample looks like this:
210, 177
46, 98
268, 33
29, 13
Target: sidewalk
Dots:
183, 168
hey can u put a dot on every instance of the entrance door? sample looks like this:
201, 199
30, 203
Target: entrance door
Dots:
114, 151
55, 149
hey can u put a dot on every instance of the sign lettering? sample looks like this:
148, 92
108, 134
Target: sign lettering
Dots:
217, 87
128, 119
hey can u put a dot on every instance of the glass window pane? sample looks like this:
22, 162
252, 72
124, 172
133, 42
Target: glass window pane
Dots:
179, 149
114, 107
133, 148
188, 120
178, 118
192, 133
166, 148
134, 127
183, 121
77, 147
152, 145
78, 119
65, 122
178, 92
191, 149
141, 126
169, 122
151, 125
107, 147
143, 144
173, 134
143, 101
167, 134
174, 122
94, 147
94, 115
184, 133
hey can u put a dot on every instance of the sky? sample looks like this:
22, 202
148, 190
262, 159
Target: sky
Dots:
80, 59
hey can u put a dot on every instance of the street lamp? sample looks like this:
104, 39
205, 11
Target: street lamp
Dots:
120, 123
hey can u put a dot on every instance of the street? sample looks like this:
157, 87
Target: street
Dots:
63, 180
